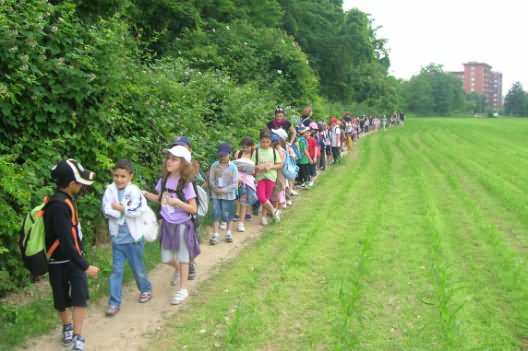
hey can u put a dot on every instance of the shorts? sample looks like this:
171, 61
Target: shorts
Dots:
223, 210
247, 195
182, 255
328, 150
69, 286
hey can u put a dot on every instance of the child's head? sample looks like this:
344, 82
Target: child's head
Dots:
333, 121
303, 131
265, 138
223, 152
182, 141
307, 112
195, 165
277, 140
177, 161
279, 113
69, 175
122, 173
247, 145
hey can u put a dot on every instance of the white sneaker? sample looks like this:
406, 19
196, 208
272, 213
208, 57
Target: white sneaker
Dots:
294, 193
214, 239
229, 237
175, 278
264, 220
276, 216
241, 227
310, 183
180, 296
223, 225
289, 202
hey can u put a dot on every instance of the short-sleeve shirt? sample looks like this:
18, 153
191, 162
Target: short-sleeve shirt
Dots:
312, 146
266, 155
173, 214
335, 136
304, 145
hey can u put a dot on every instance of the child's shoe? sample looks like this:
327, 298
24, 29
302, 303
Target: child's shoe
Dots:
111, 310
236, 218
241, 227
223, 225
145, 297
293, 193
289, 202
78, 343
180, 297
192, 271
276, 216
248, 217
310, 184
214, 239
229, 237
264, 220
67, 335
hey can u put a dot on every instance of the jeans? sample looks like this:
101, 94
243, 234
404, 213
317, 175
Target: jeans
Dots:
133, 253
223, 210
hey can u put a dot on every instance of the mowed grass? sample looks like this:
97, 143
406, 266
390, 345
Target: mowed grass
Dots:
418, 241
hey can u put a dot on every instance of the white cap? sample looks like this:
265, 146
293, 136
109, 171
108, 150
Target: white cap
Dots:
281, 133
179, 151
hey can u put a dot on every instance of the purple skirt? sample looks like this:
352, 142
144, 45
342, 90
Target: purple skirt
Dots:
169, 238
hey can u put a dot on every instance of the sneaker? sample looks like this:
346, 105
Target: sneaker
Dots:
78, 343
229, 237
175, 278
248, 217
236, 218
180, 296
264, 220
310, 184
241, 227
111, 310
214, 239
276, 216
145, 297
223, 225
289, 202
192, 271
67, 334
293, 193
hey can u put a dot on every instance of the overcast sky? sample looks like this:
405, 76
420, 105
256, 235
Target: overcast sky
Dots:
450, 32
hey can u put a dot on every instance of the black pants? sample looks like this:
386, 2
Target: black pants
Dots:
69, 286
304, 173
336, 151
322, 160
313, 170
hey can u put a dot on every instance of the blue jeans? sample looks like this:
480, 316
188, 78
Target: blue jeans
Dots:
133, 253
223, 210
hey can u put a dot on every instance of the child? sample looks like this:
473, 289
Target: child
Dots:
335, 139
223, 183
278, 196
123, 206
67, 266
313, 150
305, 160
179, 244
247, 189
267, 163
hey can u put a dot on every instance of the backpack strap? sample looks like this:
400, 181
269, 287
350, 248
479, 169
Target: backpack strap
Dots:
74, 223
256, 156
240, 153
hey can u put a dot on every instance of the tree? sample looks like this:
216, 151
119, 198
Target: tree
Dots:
516, 101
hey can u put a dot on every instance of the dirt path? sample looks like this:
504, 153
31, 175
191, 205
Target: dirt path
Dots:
135, 325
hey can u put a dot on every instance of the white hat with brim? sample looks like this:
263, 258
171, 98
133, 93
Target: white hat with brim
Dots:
281, 133
179, 151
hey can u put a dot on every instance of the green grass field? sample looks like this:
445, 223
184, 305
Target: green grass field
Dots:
418, 241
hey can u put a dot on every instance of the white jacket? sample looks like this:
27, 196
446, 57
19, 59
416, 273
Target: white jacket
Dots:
134, 203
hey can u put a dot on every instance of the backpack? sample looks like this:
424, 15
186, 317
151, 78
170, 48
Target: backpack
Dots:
32, 239
202, 200
297, 148
149, 224
290, 168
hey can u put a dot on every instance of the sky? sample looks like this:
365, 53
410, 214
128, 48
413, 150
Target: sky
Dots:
450, 32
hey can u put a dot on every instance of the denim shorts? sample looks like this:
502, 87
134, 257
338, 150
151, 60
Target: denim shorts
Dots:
223, 210
247, 195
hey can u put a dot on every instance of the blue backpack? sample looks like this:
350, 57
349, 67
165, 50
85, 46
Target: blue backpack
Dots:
297, 148
290, 168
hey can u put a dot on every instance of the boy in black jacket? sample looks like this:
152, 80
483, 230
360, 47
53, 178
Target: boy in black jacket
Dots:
67, 266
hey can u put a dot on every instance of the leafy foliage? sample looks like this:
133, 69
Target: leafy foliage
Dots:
516, 101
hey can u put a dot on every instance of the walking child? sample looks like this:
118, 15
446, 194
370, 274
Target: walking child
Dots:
175, 192
267, 162
123, 205
247, 191
223, 183
67, 266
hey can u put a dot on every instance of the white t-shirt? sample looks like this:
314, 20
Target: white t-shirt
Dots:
335, 137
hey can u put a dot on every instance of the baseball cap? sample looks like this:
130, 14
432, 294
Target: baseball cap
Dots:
279, 109
182, 141
333, 120
303, 129
281, 133
314, 126
223, 150
70, 170
179, 151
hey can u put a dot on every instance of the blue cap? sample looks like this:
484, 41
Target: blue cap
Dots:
182, 141
223, 150
274, 137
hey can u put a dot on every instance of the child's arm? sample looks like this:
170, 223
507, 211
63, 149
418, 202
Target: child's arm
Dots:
108, 210
151, 197
305, 151
135, 207
190, 208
